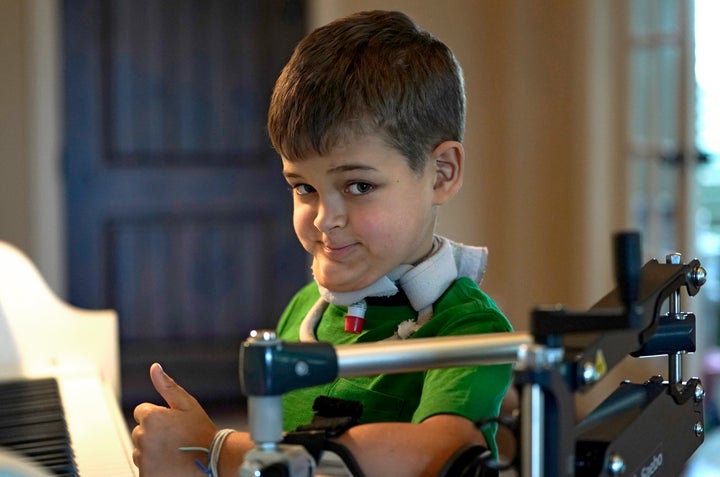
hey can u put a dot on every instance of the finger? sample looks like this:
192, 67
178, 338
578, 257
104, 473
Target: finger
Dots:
175, 396
142, 410
135, 435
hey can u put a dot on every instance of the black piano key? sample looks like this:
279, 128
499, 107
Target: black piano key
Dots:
26, 419
32, 423
33, 433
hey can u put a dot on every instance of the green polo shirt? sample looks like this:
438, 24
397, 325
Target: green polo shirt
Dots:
472, 392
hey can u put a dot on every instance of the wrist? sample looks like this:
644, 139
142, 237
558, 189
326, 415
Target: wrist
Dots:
212, 451
215, 449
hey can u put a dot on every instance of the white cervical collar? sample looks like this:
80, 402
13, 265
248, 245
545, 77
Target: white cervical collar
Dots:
423, 284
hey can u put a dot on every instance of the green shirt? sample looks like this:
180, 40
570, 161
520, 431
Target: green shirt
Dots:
472, 392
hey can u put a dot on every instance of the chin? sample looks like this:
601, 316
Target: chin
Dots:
337, 287
342, 286
339, 280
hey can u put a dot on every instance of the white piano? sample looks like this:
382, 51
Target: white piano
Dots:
42, 336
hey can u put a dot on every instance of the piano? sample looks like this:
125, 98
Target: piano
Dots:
74, 354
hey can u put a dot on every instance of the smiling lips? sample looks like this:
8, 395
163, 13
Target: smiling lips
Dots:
335, 252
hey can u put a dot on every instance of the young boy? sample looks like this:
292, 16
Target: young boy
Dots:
368, 117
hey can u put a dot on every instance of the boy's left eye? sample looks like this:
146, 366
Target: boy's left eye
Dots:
359, 188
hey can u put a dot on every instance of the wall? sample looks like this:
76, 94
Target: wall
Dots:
14, 135
31, 201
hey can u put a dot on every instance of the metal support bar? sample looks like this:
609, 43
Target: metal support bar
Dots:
674, 359
363, 359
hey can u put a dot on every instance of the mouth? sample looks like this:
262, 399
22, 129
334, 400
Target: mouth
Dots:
337, 252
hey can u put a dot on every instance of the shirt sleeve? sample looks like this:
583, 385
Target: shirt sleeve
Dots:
474, 392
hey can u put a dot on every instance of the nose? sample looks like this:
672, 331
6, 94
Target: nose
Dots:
330, 214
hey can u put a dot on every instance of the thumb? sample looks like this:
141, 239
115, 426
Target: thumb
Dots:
171, 392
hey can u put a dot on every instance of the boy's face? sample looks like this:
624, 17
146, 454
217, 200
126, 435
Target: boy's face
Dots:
361, 211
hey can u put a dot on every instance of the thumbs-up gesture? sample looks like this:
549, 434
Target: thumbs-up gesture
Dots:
163, 430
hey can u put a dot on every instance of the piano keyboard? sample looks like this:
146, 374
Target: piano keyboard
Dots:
69, 425
32, 424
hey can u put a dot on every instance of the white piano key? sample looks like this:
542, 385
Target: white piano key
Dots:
100, 438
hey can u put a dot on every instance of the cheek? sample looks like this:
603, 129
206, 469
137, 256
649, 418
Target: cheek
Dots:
380, 230
302, 219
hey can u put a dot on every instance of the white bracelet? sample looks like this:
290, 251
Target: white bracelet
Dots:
214, 450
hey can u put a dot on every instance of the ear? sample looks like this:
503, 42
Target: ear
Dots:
448, 158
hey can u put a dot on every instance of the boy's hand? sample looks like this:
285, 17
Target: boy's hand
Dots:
161, 430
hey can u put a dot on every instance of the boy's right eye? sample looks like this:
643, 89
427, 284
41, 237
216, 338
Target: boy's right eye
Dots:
303, 189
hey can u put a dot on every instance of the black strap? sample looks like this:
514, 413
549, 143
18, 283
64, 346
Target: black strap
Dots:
332, 418
469, 461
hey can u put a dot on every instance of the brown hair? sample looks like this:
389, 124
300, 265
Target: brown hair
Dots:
368, 73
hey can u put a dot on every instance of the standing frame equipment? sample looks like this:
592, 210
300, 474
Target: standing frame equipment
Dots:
639, 429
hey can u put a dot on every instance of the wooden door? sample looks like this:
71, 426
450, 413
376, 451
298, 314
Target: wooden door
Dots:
177, 213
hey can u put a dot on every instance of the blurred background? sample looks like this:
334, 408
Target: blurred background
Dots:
136, 173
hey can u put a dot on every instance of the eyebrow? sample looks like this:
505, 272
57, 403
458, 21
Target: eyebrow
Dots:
351, 167
337, 169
